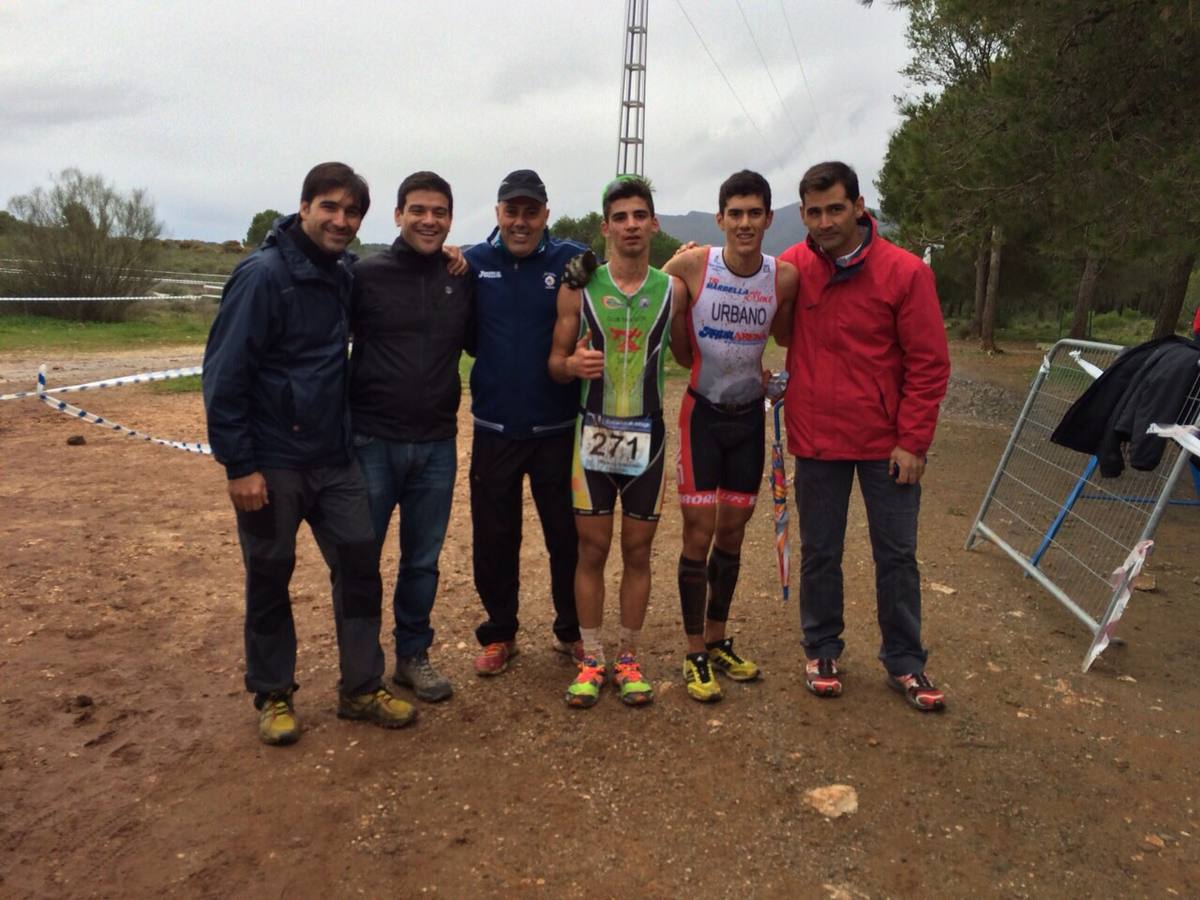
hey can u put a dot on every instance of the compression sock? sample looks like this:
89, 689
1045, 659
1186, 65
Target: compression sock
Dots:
593, 646
692, 589
722, 580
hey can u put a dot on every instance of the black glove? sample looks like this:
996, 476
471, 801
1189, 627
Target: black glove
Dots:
579, 270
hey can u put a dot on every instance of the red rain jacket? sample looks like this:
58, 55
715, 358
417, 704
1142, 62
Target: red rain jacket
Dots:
868, 361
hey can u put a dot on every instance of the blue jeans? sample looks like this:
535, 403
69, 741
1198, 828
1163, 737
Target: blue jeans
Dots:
823, 499
419, 478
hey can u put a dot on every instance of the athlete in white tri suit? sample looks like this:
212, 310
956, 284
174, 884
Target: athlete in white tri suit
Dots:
737, 298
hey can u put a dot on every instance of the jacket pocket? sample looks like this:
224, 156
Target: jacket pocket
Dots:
889, 396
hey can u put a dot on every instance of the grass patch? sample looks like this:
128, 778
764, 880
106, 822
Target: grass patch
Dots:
189, 384
153, 327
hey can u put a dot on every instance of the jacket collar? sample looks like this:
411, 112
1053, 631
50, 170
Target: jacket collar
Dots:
844, 269
402, 248
495, 241
298, 264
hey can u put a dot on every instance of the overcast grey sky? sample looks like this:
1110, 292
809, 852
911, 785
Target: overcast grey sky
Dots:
219, 108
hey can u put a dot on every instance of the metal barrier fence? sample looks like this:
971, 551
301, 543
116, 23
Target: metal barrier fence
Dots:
1081, 537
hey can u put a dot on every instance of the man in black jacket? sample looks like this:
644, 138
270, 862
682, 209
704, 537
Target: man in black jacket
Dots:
275, 372
411, 321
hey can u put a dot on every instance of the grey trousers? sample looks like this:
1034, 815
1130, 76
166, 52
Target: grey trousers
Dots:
823, 499
333, 500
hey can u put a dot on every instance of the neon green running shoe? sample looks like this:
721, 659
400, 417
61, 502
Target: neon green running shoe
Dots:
635, 690
722, 658
584, 691
701, 683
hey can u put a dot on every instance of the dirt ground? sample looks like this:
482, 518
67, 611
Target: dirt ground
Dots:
129, 765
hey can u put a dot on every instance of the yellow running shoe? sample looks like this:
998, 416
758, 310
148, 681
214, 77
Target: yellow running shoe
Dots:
378, 707
277, 722
722, 658
701, 684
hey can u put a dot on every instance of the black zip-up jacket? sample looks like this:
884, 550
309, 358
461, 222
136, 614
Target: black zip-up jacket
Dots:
275, 364
411, 321
1147, 383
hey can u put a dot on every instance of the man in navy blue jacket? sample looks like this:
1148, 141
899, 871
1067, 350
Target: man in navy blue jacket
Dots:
275, 371
524, 421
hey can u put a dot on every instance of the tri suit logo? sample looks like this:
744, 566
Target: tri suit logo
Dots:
626, 338
550, 280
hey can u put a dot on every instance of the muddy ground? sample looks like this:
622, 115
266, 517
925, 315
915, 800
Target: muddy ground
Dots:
129, 765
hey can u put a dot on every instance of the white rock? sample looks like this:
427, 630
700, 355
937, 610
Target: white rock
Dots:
833, 800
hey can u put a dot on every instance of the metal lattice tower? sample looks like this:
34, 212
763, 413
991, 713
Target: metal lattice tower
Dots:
631, 142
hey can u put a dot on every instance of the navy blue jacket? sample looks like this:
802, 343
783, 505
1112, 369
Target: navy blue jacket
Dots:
516, 306
275, 366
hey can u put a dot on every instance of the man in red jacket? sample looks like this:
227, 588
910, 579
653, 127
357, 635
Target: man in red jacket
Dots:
868, 367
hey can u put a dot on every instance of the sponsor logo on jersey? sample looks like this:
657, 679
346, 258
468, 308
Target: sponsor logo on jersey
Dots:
626, 339
549, 279
713, 284
490, 273
732, 337
737, 314
608, 301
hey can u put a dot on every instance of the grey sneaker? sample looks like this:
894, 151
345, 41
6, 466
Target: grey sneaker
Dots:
419, 674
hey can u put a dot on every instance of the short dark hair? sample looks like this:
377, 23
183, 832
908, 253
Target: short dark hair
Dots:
624, 187
424, 181
823, 176
329, 176
744, 184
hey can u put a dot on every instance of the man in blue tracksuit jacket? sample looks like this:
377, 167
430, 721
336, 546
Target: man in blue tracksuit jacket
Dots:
524, 421
275, 370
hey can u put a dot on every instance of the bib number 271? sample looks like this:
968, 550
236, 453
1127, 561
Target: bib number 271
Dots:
615, 446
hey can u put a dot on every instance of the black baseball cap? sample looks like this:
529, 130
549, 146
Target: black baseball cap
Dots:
522, 183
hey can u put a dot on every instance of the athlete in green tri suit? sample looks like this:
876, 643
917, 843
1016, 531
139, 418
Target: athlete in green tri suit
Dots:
612, 335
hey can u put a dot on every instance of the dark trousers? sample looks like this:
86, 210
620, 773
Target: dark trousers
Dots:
333, 501
498, 468
823, 499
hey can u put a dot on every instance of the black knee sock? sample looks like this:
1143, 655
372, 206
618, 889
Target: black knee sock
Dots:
723, 571
692, 588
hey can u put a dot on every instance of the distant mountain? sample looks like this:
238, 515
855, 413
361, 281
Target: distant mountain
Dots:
786, 229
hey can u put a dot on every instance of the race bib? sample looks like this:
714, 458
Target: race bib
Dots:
616, 446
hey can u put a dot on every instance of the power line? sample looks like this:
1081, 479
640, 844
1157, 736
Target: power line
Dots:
787, 112
812, 101
728, 84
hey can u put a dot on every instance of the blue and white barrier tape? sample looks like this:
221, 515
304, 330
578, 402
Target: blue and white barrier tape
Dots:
76, 413
141, 378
